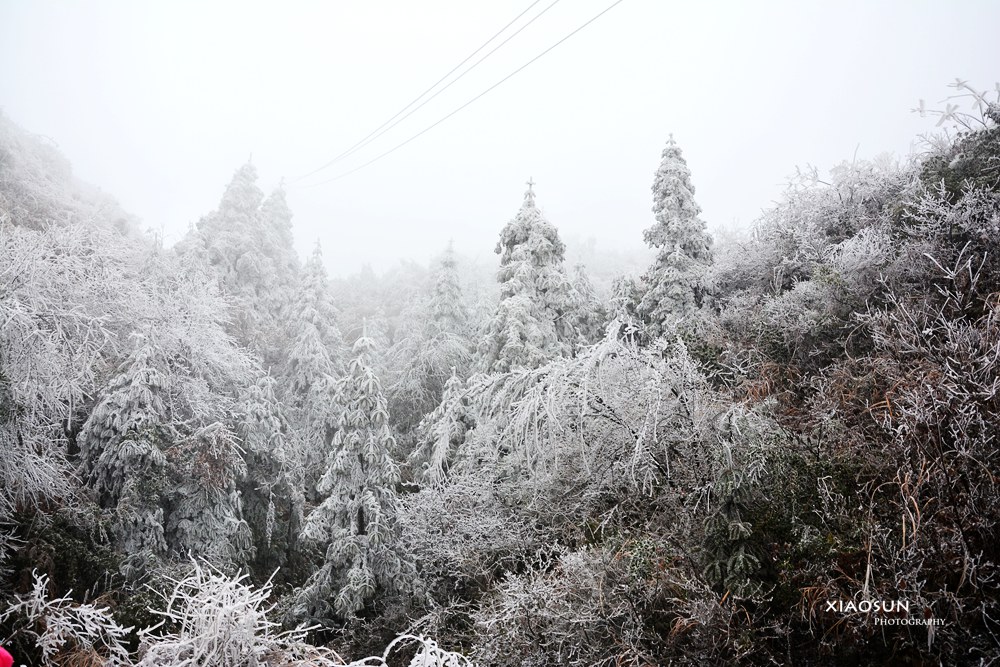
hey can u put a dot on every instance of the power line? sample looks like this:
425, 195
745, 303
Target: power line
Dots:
495, 85
365, 139
372, 137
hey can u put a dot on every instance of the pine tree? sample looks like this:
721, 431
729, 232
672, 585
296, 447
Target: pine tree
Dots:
122, 447
233, 240
534, 321
357, 520
272, 489
206, 517
673, 284
278, 296
310, 378
590, 313
246, 244
441, 433
435, 344
314, 295
447, 307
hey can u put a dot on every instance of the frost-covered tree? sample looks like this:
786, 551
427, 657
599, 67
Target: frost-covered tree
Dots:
313, 365
205, 509
447, 305
590, 315
314, 293
122, 447
246, 243
277, 296
435, 345
673, 285
440, 434
272, 490
357, 522
534, 321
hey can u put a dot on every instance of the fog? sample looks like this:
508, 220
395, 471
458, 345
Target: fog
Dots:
159, 102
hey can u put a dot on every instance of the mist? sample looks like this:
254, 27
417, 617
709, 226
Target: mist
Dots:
159, 103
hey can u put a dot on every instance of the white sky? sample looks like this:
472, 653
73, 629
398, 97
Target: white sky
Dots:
159, 102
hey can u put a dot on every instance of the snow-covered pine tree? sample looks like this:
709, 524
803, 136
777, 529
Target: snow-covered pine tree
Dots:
591, 315
278, 296
232, 241
206, 517
447, 306
623, 306
310, 378
440, 434
358, 518
673, 285
535, 321
314, 292
246, 244
434, 344
122, 447
272, 489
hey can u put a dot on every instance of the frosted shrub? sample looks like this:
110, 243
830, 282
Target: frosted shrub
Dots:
617, 415
66, 631
428, 654
562, 616
220, 621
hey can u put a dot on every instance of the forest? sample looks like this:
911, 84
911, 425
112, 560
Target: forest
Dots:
774, 449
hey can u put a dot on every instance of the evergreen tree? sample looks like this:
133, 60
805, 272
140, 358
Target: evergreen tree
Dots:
315, 296
591, 314
272, 489
206, 516
246, 243
278, 296
358, 518
535, 319
673, 284
447, 306
441, 433
313, 366
122, 447
623, 307
435, 346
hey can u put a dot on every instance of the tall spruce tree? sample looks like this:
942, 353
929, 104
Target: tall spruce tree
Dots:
206, 512
448, 309
673, 285
357, 520
122, 447
313, 366
590, 313
278, 295
441, 433
435, 345
535, 319
272, 489
246, 244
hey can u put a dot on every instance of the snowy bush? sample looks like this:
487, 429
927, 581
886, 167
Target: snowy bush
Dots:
213, 619
67, 632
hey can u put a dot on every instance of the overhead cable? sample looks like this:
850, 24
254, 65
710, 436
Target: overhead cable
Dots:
480, 95
376, 132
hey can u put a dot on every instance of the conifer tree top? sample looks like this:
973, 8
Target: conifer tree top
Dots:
530, 236
676, 211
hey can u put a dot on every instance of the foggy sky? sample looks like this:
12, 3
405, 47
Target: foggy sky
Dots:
159, 102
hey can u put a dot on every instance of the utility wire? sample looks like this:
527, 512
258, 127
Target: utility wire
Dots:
363, 141
375, 135
495, 85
